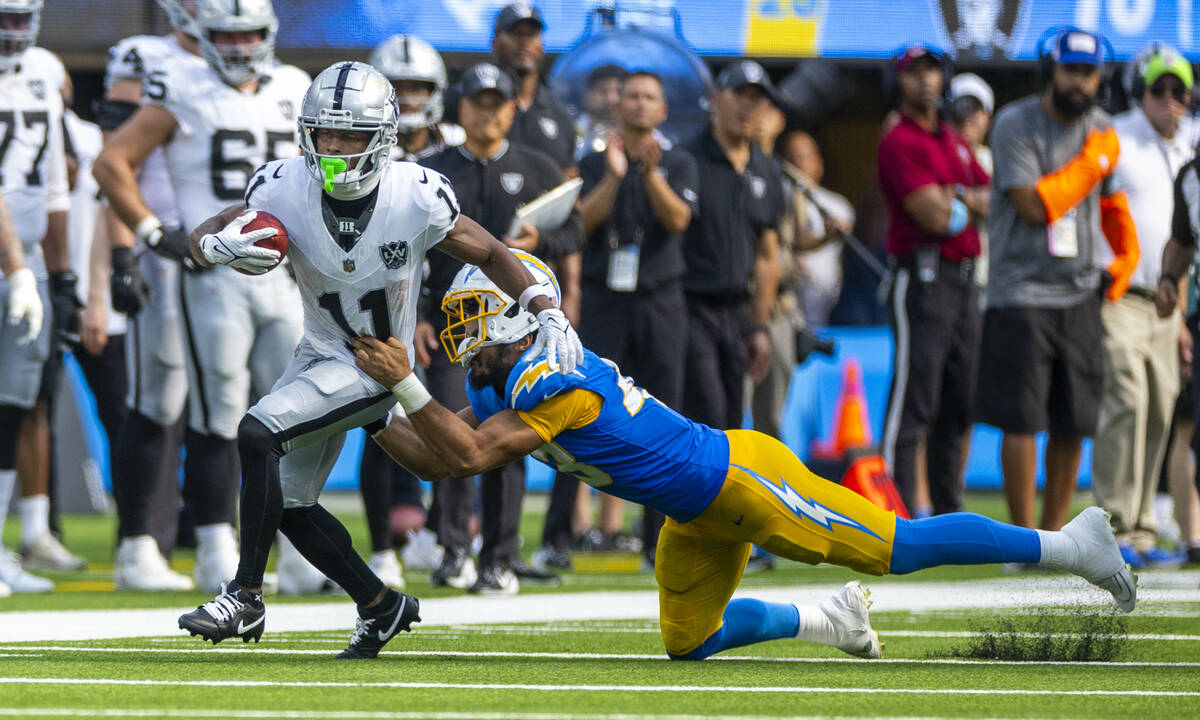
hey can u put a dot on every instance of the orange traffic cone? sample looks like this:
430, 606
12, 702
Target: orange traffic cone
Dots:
868, 476
852, 429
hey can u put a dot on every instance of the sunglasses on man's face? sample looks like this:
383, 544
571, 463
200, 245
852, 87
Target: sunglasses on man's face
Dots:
1181, 94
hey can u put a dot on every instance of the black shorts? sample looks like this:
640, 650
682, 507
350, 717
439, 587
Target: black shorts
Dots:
1041, 369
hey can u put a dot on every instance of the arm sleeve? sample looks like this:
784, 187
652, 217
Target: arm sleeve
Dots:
568, 411
1181, 217
1117, 224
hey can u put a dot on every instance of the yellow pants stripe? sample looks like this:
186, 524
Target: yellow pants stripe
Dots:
772, 500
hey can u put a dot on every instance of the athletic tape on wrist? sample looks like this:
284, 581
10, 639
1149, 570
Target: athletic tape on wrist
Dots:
531, 292
411, 394
958, 217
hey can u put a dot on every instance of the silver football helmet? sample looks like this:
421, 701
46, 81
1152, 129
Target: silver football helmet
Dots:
349, 96
408, 57
237, 64
180, 13
13, 43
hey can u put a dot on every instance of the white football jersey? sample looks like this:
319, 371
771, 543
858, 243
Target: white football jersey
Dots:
33, 166
374, 288
134, 58
223, 135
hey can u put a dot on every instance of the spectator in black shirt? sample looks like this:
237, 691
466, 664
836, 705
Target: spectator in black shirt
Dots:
731, 252
492, 178
541, 122
637, 202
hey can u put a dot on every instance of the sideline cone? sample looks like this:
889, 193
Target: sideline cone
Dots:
852, 429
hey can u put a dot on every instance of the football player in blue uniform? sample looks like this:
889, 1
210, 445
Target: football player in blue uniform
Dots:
723, 492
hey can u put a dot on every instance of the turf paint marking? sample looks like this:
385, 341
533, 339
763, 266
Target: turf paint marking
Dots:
529, 687
581, 656
384, 715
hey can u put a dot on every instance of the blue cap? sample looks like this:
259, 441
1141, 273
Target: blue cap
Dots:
1078, 46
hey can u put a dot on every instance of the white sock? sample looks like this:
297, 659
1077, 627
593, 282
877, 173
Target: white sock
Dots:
8, 480
208, 535
35, 517
815, 626
1058, 550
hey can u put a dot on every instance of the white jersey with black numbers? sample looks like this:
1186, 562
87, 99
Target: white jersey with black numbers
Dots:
223, 135
374, 288
33, 165
135, 58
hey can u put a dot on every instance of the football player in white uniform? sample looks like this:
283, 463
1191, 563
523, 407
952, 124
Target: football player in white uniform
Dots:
146, 289
33, 176
359, 227
418, 74
216, 124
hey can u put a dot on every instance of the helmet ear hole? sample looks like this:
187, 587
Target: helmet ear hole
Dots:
512, 311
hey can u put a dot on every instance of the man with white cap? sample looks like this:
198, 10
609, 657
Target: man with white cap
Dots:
970, 113
1141, 349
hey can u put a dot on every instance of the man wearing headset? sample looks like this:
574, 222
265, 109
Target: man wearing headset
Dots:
935, 193
1041, 361
1141, 350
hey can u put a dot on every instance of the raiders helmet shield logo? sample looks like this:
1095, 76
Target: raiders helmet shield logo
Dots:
758, 186
549, 127
984, 28
512, 182
394, 254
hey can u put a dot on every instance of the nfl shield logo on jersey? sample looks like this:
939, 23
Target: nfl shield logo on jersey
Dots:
512, 182
394, 254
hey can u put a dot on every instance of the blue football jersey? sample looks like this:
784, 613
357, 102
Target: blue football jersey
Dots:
636, 448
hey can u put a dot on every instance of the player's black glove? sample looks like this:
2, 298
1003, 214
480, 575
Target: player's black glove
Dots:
172, 244
68, 311
127, 286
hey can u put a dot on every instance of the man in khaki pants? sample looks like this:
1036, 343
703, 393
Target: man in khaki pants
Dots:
1141, 362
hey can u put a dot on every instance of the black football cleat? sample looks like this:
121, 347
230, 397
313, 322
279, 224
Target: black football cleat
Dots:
234, 612
371, 632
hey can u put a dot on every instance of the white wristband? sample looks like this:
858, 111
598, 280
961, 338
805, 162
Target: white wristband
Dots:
531, 292
146, 227
411, 394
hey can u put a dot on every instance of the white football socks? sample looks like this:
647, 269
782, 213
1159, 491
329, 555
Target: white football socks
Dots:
815, 626
35, 518
1058, 550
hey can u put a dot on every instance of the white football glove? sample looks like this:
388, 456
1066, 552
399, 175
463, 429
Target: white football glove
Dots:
236, 249
24, 303
559, 340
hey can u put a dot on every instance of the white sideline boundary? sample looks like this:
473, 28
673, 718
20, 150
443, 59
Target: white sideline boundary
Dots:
889, 595
587, 687
392, 715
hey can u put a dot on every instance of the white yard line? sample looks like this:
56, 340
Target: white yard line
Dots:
1017, 592
531, 687
243, 649
386, 715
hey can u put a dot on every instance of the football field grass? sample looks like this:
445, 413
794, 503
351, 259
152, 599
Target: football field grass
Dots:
1036, 645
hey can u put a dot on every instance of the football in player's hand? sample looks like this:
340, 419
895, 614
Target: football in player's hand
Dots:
277, 242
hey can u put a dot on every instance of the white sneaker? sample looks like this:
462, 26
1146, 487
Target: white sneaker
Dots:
1098, 558
422, 553
847, 610
387, 567
297, 576
216, 560
17, 580
140, 566
47, 553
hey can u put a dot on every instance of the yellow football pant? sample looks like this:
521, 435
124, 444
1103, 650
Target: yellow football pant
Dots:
772, 500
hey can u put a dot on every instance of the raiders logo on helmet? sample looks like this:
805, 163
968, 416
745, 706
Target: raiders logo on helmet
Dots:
394, 254
981, 28
512, 182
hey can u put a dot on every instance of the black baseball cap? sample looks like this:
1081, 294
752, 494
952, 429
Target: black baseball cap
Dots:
747, 72
486, 76
514, 13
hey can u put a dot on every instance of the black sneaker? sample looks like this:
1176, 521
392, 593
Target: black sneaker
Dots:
372, 631
457, 570
234, 612
550, 557
526, 571
496, 581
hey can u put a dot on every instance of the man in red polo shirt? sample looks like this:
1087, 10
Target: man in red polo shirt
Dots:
936, 193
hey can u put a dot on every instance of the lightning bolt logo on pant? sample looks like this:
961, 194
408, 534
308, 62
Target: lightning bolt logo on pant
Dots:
809, 509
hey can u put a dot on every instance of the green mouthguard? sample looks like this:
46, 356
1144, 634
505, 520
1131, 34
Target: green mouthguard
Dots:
332, 166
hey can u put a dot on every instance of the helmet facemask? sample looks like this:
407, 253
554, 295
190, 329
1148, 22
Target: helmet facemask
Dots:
239, 63
18, 31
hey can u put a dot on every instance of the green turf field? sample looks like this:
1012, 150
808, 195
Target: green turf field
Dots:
1144, 665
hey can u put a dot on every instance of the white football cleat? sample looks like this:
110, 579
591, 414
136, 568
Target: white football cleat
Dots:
47, 553
140, 566
15, 577
387, 567
847, 610
297, 576
216, 559
422, 553
1098, 559
5, 590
